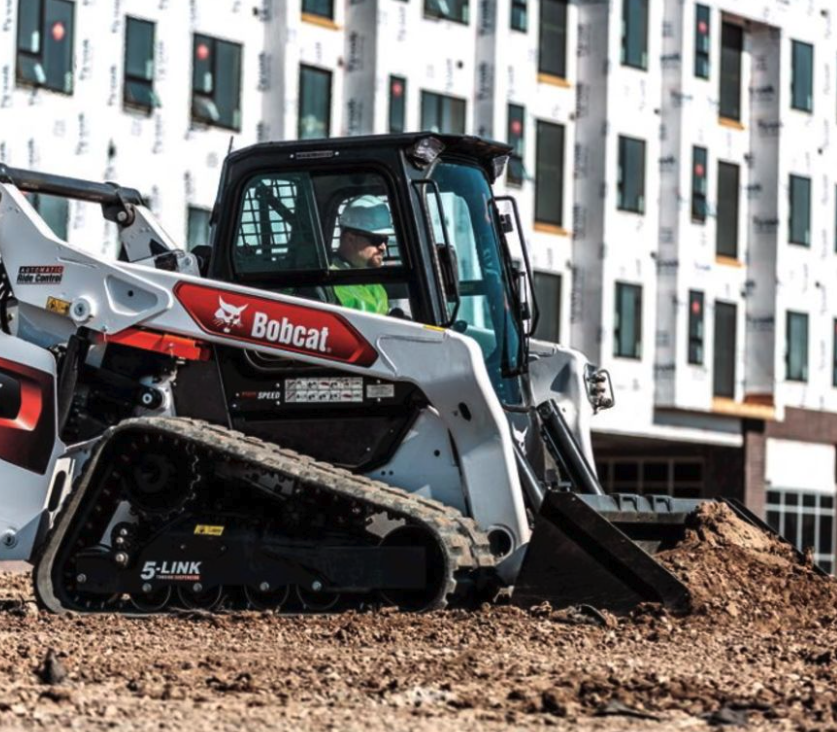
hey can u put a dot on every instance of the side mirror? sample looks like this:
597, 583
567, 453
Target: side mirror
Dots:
449, 266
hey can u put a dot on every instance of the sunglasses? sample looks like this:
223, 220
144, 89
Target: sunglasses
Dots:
375, 240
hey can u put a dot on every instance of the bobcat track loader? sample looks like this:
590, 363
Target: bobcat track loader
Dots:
214, 429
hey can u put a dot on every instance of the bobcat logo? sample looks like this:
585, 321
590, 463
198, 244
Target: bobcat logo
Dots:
228, 316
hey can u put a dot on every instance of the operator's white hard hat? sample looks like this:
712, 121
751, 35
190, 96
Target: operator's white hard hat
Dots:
367, 213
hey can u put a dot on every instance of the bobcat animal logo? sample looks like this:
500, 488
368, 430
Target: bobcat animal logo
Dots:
228, 316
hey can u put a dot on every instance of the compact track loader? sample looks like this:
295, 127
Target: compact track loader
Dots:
218, 428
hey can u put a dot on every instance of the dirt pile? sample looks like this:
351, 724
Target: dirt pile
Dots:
738, 573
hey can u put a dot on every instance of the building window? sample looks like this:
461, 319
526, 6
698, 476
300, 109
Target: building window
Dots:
631, 183
515, 136
456, 10
703, 46
695, 327
732, 45
314, 103
216, 82
726, 233
796, 355
323, 8
723, 376
54, 210
635, 33
519, 18
548, 294
678, 477
197, 227
549, 174
800, 210
138, 87
443, 114
627, 337
397, 104
802, 77
699, 183
45, 44
805, 519
552, 38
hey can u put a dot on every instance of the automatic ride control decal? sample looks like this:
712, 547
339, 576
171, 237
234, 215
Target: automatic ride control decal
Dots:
45, 274
280, 325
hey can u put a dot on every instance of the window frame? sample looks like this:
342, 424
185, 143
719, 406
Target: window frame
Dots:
703, 55
128, 77
545, 313
441, 99
522, 6
517, 141
542, 126
40, 56
719, 349
309, 11
696, 352
721, 201
801, 319
553, 36
728, 30
629, 19
465, 16
622, 175
215, 42
808, 106
700, 183
793, 211
778, 507
324, 73
635, 352
401, 103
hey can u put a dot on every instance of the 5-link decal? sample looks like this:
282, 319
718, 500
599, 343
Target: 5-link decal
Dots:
174, 571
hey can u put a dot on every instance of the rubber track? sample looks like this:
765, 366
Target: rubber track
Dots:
466, 546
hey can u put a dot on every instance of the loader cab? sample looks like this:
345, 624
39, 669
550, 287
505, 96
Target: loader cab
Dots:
279, 220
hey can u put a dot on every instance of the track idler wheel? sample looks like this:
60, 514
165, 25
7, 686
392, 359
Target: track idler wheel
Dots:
433, 591
267, 598
317, 601
195, 597
152, 602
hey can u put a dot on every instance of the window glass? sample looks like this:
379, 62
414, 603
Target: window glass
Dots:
726, 234
448, 9
699, 183
323, 8
519, 20
442, 114
45, 44
802, 77
628, 325
800, 210
197, 231
703, 48
635, 33
549, 174
548, 292
54, 210
552, 38
806, 519
139, 64
732, 44
723, 381
397, 104
294, 221
695, 327
631, 184
797, 347
515, 136
314, 103
216, 82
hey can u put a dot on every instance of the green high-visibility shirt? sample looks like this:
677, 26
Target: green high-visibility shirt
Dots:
370, 298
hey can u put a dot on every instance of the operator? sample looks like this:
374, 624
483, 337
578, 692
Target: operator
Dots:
365, 228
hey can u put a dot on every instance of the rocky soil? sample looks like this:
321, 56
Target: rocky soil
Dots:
759, 651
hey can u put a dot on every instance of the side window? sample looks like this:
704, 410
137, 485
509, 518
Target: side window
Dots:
216, 82
139, 65
45, 44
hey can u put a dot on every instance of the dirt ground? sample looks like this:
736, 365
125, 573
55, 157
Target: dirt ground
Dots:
758, 651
